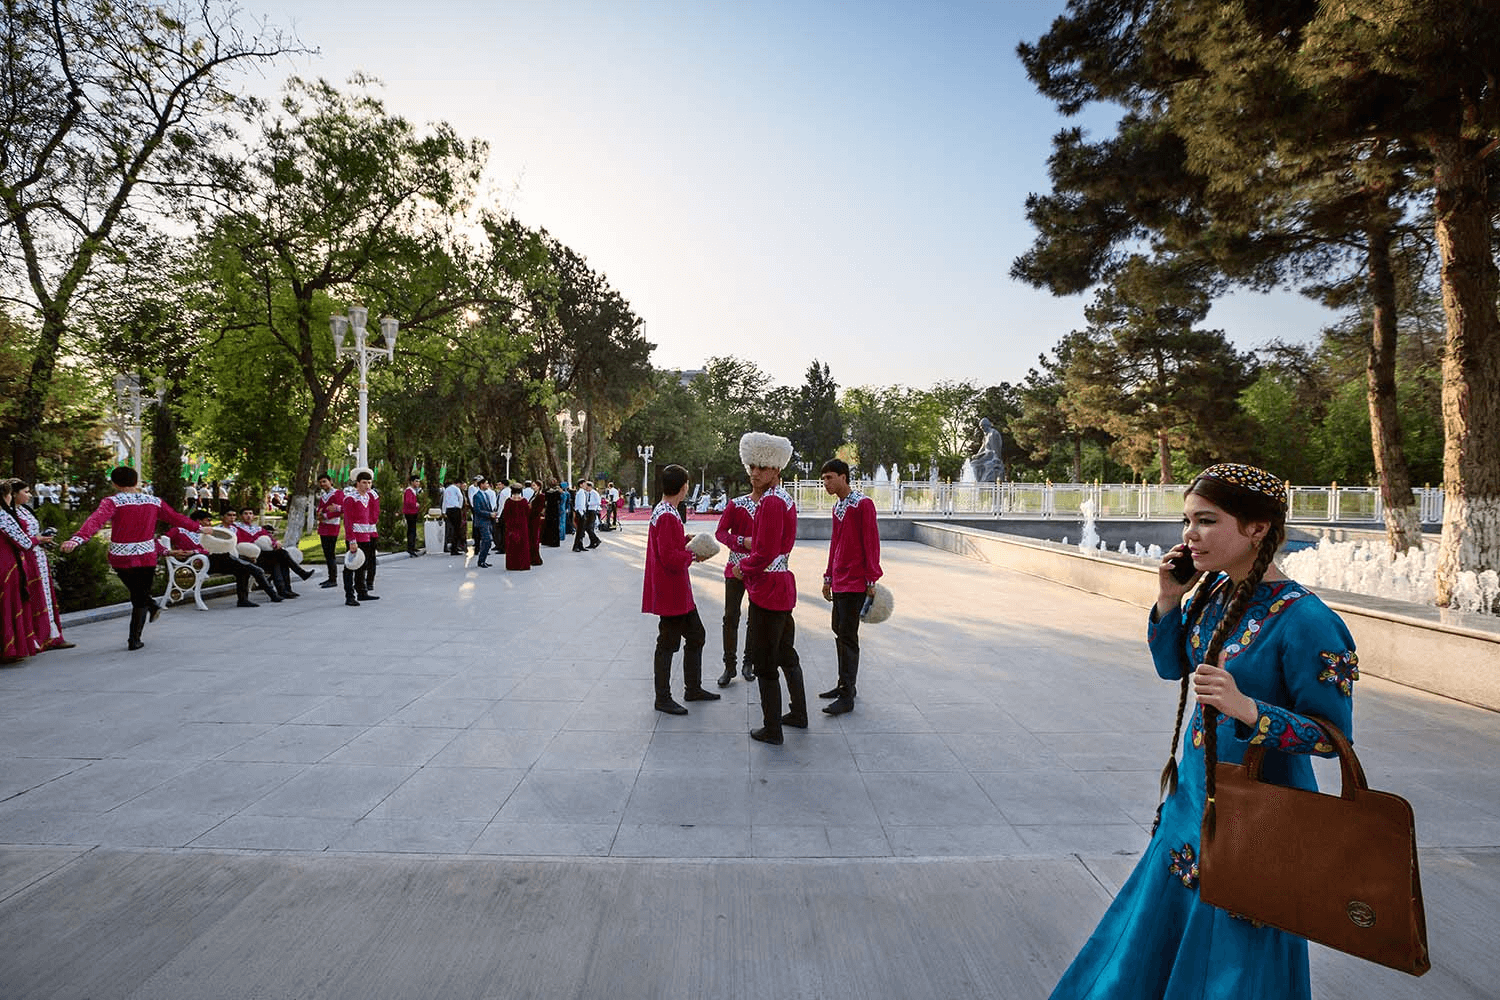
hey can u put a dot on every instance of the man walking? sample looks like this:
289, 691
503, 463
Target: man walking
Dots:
853, 568
771, 587
588, 515
484, 519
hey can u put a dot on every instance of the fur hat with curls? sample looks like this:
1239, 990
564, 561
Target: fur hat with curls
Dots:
765, 450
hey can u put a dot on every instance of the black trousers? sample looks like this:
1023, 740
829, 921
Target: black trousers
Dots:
846, 608
670, 632
357, 581
241, 571
454, 537
586, 522
138, 580
734, 598
770, 636
412, 520
330, 554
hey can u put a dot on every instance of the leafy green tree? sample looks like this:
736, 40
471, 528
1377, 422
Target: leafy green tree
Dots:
675, 423
337, 201
107, 105
817, 426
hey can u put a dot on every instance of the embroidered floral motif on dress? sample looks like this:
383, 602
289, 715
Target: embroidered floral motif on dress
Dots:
1288, 731
661, 510
1341, 670
746, 504
1261, 608
1185, 865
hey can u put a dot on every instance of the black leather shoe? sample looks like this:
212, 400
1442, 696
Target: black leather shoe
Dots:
764, 735
840, 706
727, 677
794, 720
350, 602
368, 597
289, 593
484, 565
670, 707
275, 597
156, 610
326, 584
698, 694
135, 644
833, 692
747, 672
246, 604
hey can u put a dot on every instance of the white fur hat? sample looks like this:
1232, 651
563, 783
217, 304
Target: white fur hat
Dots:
265, 543
703, 544
361, 471
354, 559
218, 539
766, 450
247, 550
295, 555
882, 606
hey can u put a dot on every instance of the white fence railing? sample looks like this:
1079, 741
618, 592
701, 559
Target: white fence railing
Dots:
1111, 500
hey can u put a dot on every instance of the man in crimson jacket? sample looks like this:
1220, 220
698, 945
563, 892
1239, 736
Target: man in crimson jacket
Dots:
853, 568
667, 592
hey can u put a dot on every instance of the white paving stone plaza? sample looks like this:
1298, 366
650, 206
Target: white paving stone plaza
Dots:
463, 791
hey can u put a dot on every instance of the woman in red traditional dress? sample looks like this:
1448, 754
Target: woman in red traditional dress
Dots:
537, 516
517, 517
47, 621
20, 586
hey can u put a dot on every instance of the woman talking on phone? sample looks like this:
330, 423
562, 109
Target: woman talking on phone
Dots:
1261, 654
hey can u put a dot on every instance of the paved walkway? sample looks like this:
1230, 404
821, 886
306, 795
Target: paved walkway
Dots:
463, 791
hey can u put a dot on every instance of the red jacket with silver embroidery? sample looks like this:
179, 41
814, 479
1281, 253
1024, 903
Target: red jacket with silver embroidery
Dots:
854, 551
361, 515
330, 513
192, 541
250, 532
409, 503
767, 570
667, 589
132, 521
738, 520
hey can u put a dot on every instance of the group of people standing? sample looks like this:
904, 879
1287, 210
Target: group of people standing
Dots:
759, 530
516, 520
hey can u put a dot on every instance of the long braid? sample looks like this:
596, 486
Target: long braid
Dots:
1239, 601
1195, 608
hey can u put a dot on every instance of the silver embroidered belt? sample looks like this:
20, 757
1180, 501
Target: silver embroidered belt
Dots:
735, 557
779, 565
364, 529
132, 548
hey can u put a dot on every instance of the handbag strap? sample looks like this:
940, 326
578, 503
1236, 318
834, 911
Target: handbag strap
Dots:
1353, 771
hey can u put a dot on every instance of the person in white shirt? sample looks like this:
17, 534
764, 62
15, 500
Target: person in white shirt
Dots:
589, 503
527, 491
612, 506
453, 513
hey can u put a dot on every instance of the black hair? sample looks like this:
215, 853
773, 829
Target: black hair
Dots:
124, 475
673, 478
837, 466
413, 479
364, 475
326, 475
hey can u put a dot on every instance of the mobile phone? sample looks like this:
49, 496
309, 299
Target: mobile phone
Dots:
1182, 566
49, 532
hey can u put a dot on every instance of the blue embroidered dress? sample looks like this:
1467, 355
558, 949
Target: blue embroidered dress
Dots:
1158, 941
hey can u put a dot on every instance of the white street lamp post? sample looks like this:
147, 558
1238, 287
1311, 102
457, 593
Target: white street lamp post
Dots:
507, 465
570, 426
645, 451
129, 402
361, 351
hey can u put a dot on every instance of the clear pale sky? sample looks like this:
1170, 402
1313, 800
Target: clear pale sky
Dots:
776, 180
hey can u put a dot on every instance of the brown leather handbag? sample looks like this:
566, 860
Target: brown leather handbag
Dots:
1339, 870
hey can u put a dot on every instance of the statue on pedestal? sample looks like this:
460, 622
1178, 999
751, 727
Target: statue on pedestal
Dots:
987, 462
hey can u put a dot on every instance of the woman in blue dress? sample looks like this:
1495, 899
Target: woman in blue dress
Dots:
1261, 654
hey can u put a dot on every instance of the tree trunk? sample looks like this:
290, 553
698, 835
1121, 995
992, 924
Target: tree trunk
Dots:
166, 451
1078, 459
1403, 521
544, 425
32, 407
1164, 456
300, 489
1471, 367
